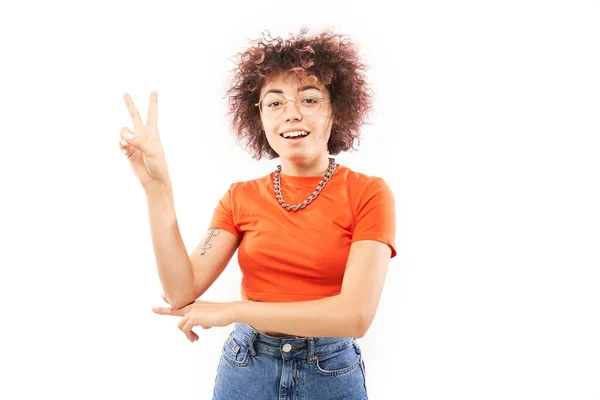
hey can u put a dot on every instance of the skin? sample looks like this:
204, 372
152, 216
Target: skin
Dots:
308, 157
348, 314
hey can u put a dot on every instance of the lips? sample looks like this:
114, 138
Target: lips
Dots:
297, 137
294, 134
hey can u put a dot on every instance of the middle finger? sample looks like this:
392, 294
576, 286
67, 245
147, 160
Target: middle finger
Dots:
189, 333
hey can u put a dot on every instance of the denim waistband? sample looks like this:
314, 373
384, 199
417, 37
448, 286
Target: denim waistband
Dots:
289, 347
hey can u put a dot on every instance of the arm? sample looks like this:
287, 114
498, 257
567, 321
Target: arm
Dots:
348, 314
184, 277
172, 261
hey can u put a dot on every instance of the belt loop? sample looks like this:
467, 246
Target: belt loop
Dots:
311, 350
251, 343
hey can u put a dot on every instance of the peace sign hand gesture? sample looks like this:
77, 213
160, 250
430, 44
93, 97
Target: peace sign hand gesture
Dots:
142, 146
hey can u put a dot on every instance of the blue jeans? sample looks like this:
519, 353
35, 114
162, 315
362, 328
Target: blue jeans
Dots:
254, 366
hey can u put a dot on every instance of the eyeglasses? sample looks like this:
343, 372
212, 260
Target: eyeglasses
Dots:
308, 102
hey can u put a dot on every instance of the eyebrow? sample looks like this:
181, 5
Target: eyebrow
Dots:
302, 89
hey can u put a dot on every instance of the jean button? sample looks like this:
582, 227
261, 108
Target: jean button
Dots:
287, 347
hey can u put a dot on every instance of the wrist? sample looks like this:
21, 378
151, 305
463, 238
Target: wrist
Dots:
236, 311
156, 186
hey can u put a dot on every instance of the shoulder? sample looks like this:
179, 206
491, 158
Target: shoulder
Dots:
244, 188
362, 185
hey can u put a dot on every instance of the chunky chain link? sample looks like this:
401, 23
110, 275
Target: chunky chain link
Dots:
330, 170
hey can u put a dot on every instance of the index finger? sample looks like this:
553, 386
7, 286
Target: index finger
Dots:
187, 329
168, 311
133, 112
153, 109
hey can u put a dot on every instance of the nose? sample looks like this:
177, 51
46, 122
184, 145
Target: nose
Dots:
291, 111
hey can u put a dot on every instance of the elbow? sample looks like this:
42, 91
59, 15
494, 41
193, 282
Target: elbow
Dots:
356, 319
179, 304
179, 299
362, 323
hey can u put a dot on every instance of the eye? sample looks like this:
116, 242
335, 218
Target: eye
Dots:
310, 100
274, 104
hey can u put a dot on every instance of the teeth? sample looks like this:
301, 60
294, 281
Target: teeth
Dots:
294, 134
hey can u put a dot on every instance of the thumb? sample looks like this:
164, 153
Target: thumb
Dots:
130, 149
135, 140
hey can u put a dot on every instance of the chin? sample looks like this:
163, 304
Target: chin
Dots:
296, 156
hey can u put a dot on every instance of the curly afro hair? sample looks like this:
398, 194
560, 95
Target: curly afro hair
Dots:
330, 57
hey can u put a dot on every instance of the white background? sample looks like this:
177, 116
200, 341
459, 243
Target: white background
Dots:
486, 128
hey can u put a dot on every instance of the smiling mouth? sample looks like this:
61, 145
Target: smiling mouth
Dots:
295, 135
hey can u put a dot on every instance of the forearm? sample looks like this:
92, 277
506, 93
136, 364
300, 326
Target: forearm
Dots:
172, 260
328, 317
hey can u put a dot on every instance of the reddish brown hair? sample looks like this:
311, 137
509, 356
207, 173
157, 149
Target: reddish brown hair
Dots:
331, 58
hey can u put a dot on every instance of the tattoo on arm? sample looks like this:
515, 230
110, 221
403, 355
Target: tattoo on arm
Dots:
206, 244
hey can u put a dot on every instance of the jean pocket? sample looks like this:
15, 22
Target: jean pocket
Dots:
235, 352
339, 362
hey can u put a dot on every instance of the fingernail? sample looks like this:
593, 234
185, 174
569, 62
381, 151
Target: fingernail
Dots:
128, 136
124, 143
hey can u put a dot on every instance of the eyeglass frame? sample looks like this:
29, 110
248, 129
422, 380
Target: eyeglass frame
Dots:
285, 102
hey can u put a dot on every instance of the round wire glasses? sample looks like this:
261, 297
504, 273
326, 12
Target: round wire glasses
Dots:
272, 105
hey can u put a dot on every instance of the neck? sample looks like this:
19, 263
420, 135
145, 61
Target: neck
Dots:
315, 167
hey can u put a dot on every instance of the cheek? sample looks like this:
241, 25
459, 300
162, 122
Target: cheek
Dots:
264, 124
269, 129
326, 125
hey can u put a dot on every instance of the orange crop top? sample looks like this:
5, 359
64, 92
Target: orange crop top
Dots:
294, 256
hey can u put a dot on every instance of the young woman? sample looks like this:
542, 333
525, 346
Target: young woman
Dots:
314, 238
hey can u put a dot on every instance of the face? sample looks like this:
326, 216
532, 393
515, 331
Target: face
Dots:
297, 116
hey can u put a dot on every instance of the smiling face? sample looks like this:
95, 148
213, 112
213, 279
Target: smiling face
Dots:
299, 138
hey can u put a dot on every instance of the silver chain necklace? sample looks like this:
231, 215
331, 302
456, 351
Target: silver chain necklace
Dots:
314, 194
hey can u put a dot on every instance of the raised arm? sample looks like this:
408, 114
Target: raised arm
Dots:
210, 258
184, 277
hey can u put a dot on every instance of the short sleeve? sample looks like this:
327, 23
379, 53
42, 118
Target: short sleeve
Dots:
376, 215
223, 216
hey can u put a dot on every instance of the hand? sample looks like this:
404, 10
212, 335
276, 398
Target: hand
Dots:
200, 313
143, 148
